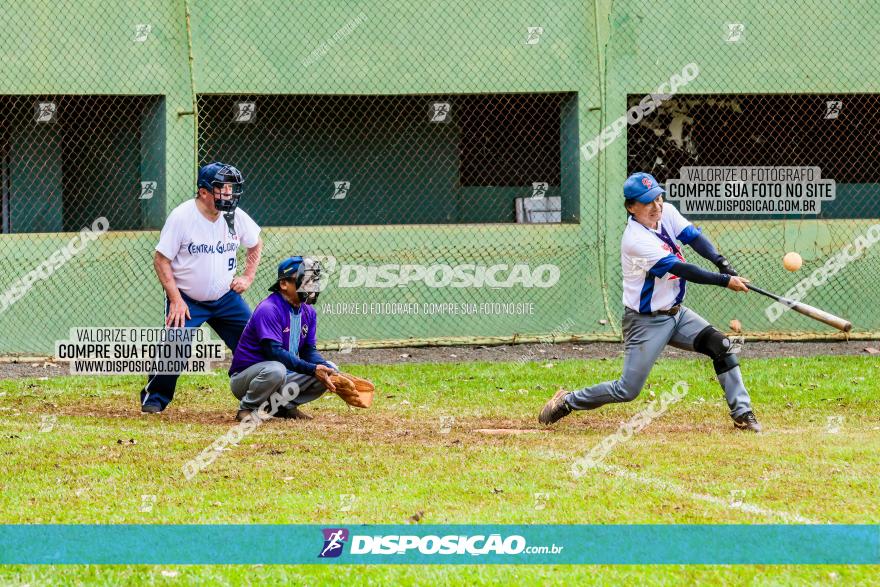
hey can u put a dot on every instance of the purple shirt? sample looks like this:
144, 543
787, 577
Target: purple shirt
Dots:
271, 320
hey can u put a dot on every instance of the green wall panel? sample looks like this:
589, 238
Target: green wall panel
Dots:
600, 51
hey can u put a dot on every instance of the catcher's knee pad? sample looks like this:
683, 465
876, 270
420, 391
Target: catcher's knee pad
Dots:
711, 342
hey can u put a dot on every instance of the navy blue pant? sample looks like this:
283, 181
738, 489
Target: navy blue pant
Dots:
227, 316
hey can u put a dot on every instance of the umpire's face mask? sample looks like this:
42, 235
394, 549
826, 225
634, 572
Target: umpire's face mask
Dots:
226, 196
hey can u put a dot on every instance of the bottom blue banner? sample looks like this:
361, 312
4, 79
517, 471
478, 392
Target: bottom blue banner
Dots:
440, 544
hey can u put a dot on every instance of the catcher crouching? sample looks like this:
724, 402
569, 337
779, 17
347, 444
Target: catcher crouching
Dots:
278, 348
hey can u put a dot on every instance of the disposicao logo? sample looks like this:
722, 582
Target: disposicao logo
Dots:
442, 545
393, 544
334, 540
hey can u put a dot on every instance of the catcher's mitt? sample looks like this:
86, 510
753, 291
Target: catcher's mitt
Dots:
360, 384
357, 392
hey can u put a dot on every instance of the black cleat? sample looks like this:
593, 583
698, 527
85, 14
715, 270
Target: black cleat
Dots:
555, 409
150, 409
747, 421
242, 414
292, 413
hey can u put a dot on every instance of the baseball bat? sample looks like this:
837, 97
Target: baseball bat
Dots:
806, 310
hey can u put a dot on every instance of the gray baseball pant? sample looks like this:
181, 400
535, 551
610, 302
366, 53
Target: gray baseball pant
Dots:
257, 383
644, 338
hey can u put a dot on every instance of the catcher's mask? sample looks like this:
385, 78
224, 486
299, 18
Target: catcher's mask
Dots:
306, 275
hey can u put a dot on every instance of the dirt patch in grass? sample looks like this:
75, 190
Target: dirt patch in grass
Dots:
384, 426
505, 431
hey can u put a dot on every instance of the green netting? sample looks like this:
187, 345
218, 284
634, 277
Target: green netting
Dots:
438, 135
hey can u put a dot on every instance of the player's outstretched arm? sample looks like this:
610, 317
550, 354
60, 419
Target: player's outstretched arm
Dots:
704, 247
696, 274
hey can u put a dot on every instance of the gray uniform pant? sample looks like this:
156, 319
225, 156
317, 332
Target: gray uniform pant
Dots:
258, 382
644, 338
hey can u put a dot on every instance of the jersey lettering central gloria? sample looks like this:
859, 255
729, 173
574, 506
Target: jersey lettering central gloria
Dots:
202, 252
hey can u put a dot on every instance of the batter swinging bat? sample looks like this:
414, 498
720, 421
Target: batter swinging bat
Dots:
806, 310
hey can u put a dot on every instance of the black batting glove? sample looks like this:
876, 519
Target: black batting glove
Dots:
724, 266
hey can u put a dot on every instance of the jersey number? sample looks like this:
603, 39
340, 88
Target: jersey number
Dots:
232, 264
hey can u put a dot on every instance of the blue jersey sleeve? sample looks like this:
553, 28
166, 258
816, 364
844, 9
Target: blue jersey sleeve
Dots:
688, 235
662, 267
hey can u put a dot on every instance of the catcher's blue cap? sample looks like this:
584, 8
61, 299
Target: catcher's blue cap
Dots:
286, 269
642, 187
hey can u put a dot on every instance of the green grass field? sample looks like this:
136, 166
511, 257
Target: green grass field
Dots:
819, 460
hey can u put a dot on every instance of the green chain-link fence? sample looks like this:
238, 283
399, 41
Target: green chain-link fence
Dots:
435, 140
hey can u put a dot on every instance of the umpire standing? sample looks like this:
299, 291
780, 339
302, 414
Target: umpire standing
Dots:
196, 261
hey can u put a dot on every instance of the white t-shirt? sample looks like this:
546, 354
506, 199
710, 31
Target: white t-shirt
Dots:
645, 258
202, 252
